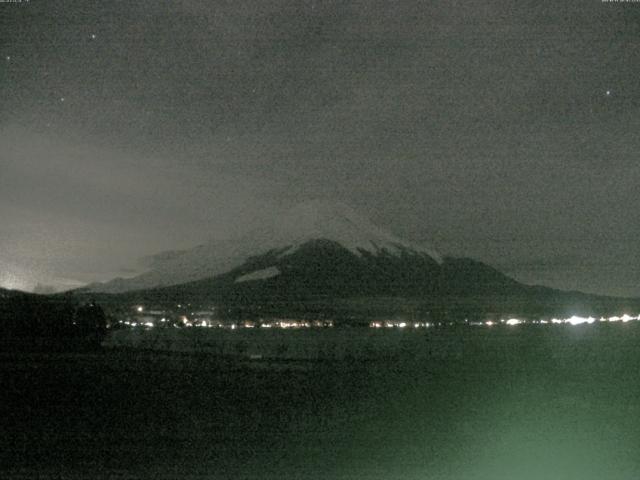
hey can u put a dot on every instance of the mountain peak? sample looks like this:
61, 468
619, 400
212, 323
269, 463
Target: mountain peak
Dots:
336, 221
312, 220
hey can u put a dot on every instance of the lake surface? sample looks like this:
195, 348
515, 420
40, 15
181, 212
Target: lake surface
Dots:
509, 403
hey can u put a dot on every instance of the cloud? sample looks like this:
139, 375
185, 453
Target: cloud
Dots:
481, 127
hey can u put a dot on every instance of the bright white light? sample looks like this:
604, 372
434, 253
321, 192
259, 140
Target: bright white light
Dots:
514, 321
148, 324
140, 308
628, 318
402, 324
489, 323
614, 319
575, 320
556, 320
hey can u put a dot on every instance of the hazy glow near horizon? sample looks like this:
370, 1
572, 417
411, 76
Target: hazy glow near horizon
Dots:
14, 280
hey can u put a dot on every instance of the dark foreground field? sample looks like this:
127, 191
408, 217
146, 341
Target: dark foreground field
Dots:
547, 402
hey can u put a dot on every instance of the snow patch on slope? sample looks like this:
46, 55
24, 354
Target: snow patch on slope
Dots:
259, 274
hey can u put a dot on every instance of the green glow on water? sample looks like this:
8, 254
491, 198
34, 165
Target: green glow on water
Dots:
508, 403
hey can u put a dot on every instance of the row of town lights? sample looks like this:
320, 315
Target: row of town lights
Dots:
573, 320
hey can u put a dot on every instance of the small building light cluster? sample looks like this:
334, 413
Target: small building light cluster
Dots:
398, 324
148, 318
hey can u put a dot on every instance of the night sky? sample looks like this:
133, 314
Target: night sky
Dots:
504, 131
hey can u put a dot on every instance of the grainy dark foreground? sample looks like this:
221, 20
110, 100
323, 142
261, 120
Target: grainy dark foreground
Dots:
517, 403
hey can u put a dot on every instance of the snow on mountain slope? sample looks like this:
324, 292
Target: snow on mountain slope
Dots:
259, 275
308, 221
340, 223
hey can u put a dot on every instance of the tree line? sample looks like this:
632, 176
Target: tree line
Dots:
38, 322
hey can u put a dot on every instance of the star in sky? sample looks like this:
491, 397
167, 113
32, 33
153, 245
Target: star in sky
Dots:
608, 93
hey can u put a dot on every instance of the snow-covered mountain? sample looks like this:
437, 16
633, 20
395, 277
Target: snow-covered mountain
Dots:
323, 260
310, 221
